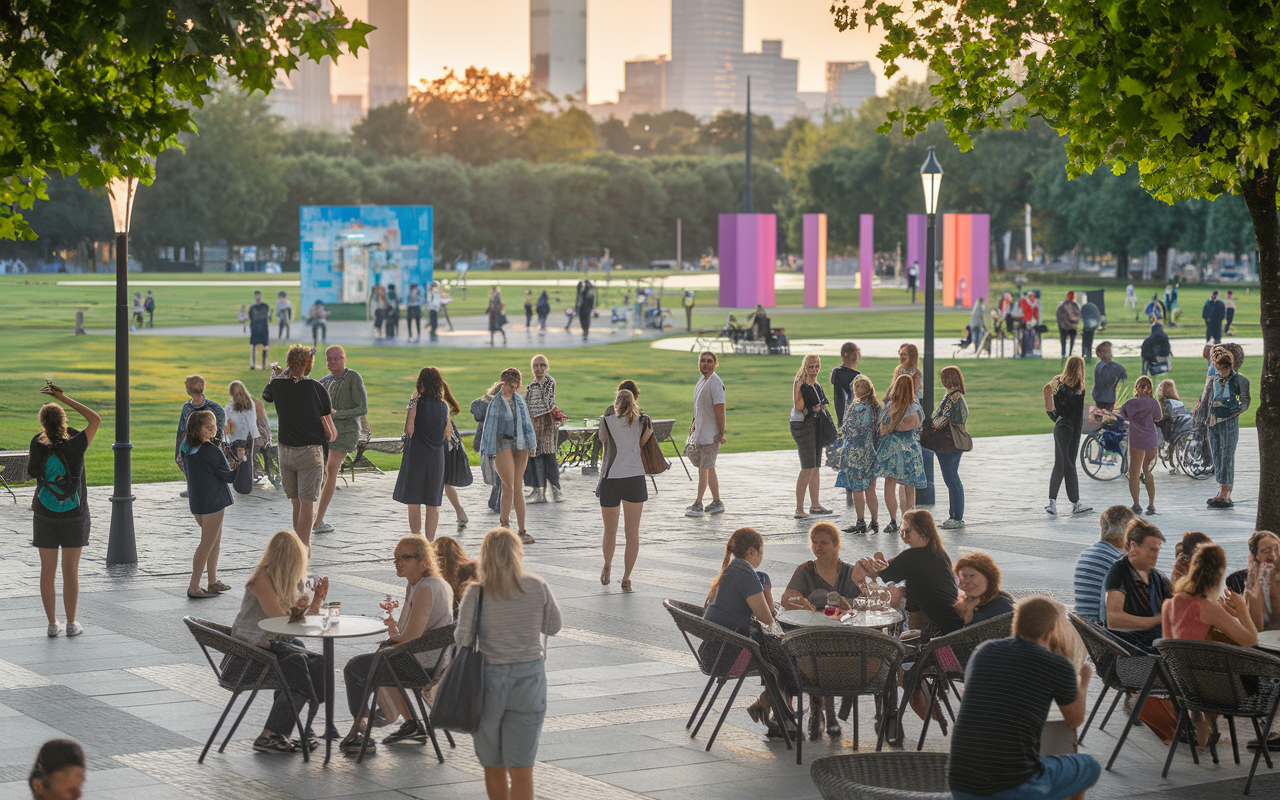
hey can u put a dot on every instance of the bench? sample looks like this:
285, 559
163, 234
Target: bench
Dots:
13, 469
358, 462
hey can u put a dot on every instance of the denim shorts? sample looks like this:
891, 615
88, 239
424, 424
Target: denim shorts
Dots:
1060, 778
515, 703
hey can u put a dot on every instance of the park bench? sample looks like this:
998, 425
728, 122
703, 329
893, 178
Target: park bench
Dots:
13, 469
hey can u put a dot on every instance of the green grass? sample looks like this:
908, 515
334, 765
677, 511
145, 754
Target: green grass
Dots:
35, 322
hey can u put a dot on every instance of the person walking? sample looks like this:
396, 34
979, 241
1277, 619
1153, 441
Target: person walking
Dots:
259, 332
913, 279
480, 408
528, 310
706, 433
420, 481
1064, 402
434, 305
1213, 314
859, 435
688, 299
350, 403
1226, 397
521, 612
898, 456
413, 312
1143, 412
584, 303
1090, 322
137, 311
305, 416
622, 481
842, 378
1029, 307
284, 316
978, 323
496, 311
808, 403
508, 441
543, 470
1157, 352
952, 413
316, 317
393, 313
149, 306
543, 308
1229, 305
457, 472
378, 300
60, 503
241, 433
1107, 376
208, 473
1068, 314
1131, 300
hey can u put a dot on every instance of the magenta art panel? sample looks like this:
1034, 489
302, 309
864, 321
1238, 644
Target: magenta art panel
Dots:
815, 260
748, 255
866, 257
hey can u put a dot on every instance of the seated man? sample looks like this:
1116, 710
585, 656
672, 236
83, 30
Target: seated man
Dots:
1008, 685
1134, 590
1097, 559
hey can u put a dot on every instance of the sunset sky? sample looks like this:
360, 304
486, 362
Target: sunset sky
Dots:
495, 34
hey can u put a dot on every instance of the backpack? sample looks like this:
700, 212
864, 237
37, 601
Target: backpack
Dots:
57, 489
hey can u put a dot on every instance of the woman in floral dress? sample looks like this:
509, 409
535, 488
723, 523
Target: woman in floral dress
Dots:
898, 457
857, 457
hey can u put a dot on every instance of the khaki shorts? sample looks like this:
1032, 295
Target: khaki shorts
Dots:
707, 455
302, 471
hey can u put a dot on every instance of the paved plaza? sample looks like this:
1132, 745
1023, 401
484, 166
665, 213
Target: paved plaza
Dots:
135, 690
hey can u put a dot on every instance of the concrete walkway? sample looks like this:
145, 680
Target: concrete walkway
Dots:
136, 691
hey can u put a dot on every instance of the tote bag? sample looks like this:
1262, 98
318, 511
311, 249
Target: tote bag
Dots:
460, 694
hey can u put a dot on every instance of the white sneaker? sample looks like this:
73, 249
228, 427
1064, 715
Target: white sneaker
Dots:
556, 496
54, 630
694, 510
74, 629
1052, 508
322, 527
952, 524
1080, 508
539, 496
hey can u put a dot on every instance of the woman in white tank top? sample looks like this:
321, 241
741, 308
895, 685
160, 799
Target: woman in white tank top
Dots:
622, 480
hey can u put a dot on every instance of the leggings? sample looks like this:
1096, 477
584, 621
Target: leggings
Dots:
319, 331
1068, 340
414, 318
1066, 443
1086, 343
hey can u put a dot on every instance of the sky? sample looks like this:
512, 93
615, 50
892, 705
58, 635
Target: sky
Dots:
495, 34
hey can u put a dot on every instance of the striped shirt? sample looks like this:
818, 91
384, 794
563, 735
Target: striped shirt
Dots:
1008, 686
511, 631
1091, 568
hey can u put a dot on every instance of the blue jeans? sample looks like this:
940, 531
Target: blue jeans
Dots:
949, 464
1062, 777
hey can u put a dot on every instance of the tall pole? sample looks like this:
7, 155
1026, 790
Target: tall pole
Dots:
121, 546
747, 207
679, 246
925, 496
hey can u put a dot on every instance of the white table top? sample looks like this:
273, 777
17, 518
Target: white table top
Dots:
861, 619
1269, 640
346, 627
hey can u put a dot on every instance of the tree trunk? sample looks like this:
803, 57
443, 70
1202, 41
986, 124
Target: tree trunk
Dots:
1162, 262
1260, 196
1122, 265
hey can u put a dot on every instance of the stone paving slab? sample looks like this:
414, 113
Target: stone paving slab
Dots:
138, 693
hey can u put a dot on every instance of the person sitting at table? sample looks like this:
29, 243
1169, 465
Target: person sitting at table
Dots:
1195, 611
925, 570
452, 558
1134, 590
981, 598
1182, 553
736, 595
428, 604
1261, 580
275, 587
1097, 558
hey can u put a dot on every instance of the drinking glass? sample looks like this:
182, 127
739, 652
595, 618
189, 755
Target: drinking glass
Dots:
325, 619
335, 612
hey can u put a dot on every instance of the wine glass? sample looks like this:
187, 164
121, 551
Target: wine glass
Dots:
832, 608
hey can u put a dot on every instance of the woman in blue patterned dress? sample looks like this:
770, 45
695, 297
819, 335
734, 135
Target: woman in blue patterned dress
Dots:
858, 438
898, 457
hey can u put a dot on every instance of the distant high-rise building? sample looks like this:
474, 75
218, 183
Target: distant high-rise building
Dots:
706, 35
301, 98
849, 83
644, 91
774, 80
558, 47
388, 52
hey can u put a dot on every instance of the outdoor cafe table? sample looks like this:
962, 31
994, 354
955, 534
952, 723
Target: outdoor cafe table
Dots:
1269, 641
580, 447
309, 628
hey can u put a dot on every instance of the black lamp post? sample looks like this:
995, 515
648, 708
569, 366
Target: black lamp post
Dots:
931, 176
121, 546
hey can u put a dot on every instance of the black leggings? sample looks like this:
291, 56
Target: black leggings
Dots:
356, 676
1065, 336
1066, 443
414, 318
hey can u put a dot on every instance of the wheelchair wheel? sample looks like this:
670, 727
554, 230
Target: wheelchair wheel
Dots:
1194, 456
1100, 463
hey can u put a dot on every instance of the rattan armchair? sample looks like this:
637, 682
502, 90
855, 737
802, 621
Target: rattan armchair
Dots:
1226, 680
882, 776
242, 668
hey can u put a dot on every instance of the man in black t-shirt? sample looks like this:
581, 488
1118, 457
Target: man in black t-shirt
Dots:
1008, 686
842, 378
1134, 591
305, 427
259, 331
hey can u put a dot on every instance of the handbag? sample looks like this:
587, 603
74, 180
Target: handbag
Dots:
457, 470
460, 694
655, 463
939, 440
826, 427
691, 450
960, 438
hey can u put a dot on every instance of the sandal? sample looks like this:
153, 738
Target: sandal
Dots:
799, 515
219, 586
819, 510
604, 575
201, 594
525, 538
626, 585
355, 741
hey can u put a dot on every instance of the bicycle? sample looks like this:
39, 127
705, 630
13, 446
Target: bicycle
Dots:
1192, 453
1104, 453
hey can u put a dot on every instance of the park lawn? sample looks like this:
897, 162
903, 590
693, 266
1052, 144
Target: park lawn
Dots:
1004, 396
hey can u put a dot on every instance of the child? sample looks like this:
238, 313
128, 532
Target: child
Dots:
195, 390
208, 474
149, 305
244, 319
857, 453
137, 311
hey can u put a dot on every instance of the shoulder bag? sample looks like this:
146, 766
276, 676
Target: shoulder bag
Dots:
939, 439
825, 427
460, 695
691, 449
655, 463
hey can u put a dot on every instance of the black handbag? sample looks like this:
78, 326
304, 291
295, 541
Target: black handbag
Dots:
826, 427
460, 693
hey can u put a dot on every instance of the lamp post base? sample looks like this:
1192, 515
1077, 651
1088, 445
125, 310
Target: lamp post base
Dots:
121, 544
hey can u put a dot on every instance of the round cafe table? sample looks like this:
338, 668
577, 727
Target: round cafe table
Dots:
803, 618
1269, 641
347, 627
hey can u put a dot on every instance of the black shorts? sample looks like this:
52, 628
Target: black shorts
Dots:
614, 490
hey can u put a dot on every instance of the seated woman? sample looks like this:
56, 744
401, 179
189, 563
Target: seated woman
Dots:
428, 604
452, 558
1176, 418
1184, 550
1195, 611
925, 569
275, 587
1259, 581
981, 598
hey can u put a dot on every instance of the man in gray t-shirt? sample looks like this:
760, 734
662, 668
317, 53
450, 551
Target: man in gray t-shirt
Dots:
1107, 375
707, 433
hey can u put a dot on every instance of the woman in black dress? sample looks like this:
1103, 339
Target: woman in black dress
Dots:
426, 426
1064, 401
60, 507
208, 474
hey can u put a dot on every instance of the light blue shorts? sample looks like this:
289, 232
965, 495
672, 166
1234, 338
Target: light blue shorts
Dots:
1062, 777
515, 703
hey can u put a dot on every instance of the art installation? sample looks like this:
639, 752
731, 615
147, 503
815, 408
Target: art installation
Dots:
966, 258
345, 251
815, 260
917, 231
748, 258
866, 257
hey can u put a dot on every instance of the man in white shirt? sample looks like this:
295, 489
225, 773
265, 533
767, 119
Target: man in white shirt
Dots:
433, 309
707, 433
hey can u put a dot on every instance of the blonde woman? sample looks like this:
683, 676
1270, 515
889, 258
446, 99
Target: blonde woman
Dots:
1064, 402
622, 480
516, 610
858, 438
544, 469
807, 400
275, 587
909, 364
509, 440
898, 456
1143, 412
242, 413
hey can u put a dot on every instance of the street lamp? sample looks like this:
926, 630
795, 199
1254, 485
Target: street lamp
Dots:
931, 177
121, 546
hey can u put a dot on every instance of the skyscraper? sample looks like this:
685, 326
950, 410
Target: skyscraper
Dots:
558, 47
773, 82
388, 52
706, 35
849, 83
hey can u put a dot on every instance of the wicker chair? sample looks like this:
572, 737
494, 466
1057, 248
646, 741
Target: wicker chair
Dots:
845, 662
1226, 680
882, 776
242, 668
935, 670
722, 656
1121, 667
383, 674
